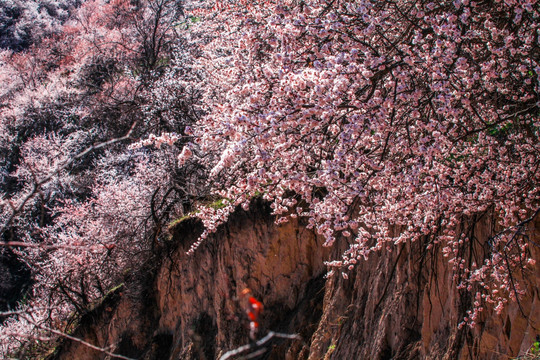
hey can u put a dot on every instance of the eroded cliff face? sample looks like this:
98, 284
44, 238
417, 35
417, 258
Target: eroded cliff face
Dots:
396, 305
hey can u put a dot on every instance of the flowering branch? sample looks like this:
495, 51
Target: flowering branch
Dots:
37, 184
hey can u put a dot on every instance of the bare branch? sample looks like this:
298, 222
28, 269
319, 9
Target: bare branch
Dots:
257, 344
64, 335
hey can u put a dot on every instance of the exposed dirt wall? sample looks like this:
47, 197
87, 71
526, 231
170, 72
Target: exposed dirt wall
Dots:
396, 305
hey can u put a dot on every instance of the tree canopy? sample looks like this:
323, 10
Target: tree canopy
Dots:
379, 122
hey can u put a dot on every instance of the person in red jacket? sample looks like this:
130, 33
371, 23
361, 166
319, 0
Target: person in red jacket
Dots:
253, 309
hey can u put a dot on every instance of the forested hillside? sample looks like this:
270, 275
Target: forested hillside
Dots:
378, 124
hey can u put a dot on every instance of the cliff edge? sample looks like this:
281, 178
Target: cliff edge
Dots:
395, 305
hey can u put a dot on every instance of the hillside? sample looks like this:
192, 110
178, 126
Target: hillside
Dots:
399, 305
360, 178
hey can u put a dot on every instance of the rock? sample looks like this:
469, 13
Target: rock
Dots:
396, 305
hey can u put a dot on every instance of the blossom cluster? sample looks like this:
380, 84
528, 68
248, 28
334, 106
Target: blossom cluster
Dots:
370, 116
380, 123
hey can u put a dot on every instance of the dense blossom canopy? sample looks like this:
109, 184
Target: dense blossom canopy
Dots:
78, 207
26, 22
379, 122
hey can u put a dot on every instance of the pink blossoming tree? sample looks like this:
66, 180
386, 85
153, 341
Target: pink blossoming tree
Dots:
367, 117
379, 122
